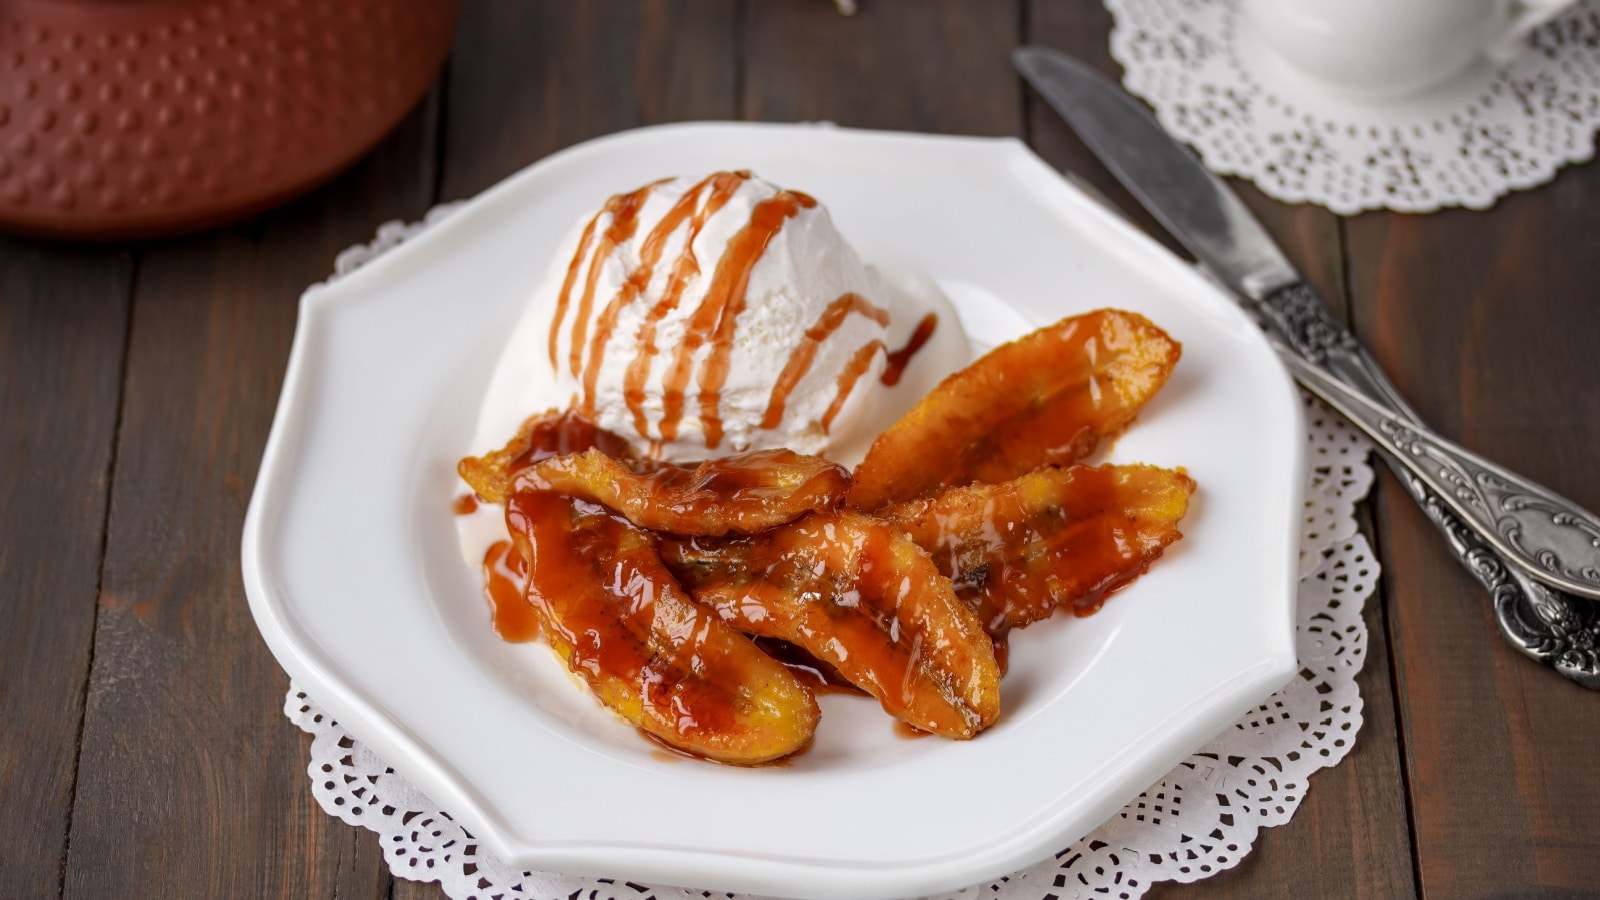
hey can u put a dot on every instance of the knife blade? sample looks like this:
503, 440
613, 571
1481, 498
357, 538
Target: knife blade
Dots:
1190, 202
1207, 218
1203, 214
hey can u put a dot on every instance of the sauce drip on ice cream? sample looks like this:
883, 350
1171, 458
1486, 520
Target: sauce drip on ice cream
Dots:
697, 314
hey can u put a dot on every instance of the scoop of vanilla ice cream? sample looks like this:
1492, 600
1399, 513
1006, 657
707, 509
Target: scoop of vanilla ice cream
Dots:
699, 317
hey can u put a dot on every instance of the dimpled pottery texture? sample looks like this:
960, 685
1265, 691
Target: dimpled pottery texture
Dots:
147, 117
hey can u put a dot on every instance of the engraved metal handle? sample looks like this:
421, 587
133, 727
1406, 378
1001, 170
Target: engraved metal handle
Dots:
1546, 535
1546, 624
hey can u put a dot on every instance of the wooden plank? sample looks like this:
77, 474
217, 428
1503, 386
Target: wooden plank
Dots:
63, 327
1349, 838
191, 784
919, 65
527, 79
1488, 323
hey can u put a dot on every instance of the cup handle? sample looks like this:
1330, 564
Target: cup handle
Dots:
1526, 15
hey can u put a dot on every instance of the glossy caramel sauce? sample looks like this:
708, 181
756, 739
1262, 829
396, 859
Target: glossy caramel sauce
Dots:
894, 367
802, 356
746, 492
624, 212
899, 359
723, 185
906, 731
565, 434
632, 287
851, 591
799, 586
592, 579
859, 362
541, 437
703, 356
622, 624
565, 297
1043, 399
713, 321
815, 674
464, 505
505, 578
609, 552
1056, 537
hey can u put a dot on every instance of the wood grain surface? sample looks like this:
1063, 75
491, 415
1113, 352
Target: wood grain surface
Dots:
63, 326
528, 79
189, 785
145, 751
911, 65
1489, 324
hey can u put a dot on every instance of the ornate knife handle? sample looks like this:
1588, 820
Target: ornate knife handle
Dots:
1547, 536
1299, 317
1547, 625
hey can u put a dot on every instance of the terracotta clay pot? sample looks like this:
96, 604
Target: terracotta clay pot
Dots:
137, 118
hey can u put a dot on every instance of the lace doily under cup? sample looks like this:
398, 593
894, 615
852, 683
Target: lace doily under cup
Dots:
1201, 818
1490, 131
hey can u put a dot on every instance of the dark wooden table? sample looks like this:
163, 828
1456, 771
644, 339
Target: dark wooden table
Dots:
143, 748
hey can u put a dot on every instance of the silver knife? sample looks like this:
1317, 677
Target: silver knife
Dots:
1534, 601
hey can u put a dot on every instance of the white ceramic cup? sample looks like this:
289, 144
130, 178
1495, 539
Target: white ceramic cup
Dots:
1390, 48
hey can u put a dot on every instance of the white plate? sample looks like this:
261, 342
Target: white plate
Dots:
353, 574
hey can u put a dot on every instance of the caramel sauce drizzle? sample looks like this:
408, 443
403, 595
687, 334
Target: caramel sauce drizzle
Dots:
899, 359
636, 282
713, 320
723, 187
622, 623
591, 575
624, 210
1054, 538
852, 372
572, 278
563, 434
505, 580
801, 358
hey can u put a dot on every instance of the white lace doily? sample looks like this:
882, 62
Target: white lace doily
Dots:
1201, 818
1466, 144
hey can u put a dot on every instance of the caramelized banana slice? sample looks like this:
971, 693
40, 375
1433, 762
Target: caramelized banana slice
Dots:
1045, 398
622, 624
540, 437
1017, 550
746, 493
853, 592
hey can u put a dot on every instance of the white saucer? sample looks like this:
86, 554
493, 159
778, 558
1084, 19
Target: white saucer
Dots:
1466, 142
